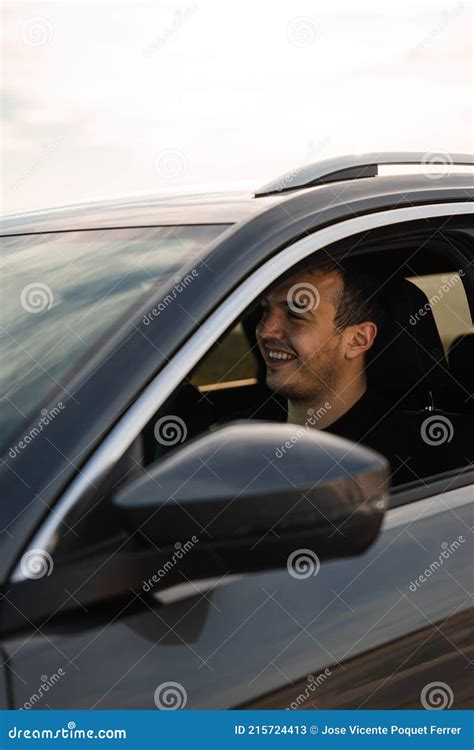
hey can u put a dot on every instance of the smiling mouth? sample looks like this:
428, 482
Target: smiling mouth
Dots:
275, 357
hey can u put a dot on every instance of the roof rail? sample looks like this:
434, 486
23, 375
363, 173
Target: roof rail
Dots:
355, 166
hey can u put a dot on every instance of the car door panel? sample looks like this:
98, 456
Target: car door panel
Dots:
392, 675
256, 634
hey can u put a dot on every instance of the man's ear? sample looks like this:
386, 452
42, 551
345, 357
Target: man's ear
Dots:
359, 338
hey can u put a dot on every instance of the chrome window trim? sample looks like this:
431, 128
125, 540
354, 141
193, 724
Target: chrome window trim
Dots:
428, 506
138, 415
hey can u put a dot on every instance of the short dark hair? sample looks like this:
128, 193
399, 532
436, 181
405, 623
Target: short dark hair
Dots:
359, 299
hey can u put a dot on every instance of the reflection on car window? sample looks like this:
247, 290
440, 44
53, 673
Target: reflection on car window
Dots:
62, 291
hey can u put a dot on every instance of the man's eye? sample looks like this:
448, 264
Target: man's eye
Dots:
296, 316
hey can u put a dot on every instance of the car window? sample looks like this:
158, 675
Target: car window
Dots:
229, 361
62, 291
230, 383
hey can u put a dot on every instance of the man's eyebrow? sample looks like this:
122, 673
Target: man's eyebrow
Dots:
283, 302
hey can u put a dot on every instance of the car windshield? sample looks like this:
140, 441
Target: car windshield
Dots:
62, 291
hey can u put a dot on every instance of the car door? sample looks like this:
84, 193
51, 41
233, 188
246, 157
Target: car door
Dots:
227, 642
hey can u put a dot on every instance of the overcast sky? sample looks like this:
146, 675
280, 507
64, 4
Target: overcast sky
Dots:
107, 98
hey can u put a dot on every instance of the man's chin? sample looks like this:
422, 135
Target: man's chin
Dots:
279, 385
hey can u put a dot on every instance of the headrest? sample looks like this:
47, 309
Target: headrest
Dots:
407, 359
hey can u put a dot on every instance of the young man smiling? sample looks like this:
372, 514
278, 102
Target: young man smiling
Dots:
315, 333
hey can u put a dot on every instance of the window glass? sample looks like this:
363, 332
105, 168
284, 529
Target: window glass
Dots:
231, 360
62, 291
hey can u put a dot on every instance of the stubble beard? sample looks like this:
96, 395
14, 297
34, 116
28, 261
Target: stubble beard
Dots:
313, 383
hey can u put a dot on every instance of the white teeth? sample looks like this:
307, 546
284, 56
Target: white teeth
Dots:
279, 355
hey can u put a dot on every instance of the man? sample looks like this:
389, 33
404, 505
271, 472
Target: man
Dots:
315, 335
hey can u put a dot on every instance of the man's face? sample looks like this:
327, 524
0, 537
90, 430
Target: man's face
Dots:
297, 337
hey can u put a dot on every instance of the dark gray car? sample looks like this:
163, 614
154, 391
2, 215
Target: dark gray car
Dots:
155, 549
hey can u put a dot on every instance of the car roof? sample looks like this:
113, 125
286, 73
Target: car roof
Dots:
219, 207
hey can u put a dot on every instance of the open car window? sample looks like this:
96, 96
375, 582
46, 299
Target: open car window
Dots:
229, 383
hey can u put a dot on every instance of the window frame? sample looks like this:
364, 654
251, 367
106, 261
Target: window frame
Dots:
112, 448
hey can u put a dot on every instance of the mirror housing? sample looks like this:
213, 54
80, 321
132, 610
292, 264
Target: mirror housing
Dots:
250, 493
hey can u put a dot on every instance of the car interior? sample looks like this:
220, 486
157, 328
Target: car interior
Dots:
420, 360
426, 368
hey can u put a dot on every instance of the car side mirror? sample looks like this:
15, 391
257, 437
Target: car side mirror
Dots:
251, 493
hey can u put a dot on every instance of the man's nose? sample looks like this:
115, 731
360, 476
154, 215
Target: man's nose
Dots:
271, 327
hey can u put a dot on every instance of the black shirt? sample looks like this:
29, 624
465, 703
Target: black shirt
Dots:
417, 444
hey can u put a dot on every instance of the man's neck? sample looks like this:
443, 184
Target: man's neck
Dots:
327, 408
